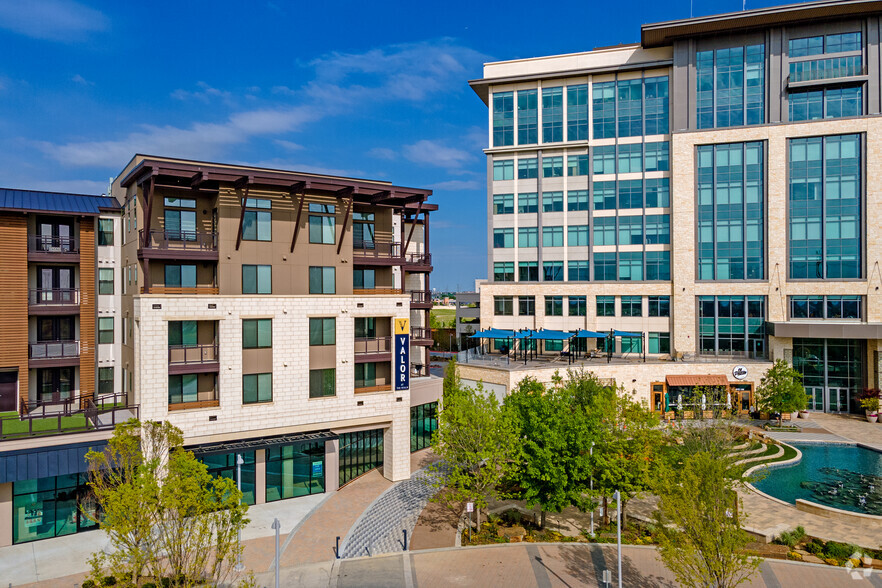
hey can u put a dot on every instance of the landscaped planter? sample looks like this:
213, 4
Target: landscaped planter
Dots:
872, 417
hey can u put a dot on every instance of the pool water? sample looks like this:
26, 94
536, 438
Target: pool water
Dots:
842, 476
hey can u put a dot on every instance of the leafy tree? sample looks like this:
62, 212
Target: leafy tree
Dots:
477, 446
699, 535
166, 516
553, 462
781, 389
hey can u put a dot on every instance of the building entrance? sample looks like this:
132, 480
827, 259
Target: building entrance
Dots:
838, 399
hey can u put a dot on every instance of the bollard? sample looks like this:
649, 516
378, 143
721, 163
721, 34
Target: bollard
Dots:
405, 538
337, 551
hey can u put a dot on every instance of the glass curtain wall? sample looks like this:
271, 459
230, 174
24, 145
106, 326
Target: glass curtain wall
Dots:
731, 87
295, 470
732, 325
223, 465
832, 371
423, 421
360, 452
51, 507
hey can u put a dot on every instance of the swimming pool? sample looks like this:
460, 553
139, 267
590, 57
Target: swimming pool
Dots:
841, 476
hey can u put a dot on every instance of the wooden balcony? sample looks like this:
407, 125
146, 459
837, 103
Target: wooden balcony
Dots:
373, 389
54, 301
420, 299
418, 262
421, 336
178, 290
377, 292
376, 253
189, 245
53, 249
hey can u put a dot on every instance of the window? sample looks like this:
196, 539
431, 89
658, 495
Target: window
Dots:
552, 115
656, 105
732, 325
223, 465
826, 103
526, 305
631, 266
659, 306
731, 87
842, 42
503, 119
606, 305
423, 421
630, 107
658, 265
322, 223
604, 195
632, 345
105, 280
528, 271
322, 280
731, 224
180, 276
528, 168
105, 329
632, 306
577, 305
577, 270
577, 200
528, 117
364, 279
257, 222
49, 507
183, 388
578, 165
182, 333
528, 237
503, 271
825, 307
503, 305
105, 231
630, 193
630, 230
258, 279
605, 159
604, 230
552, 167
363, 230
659, 342
322, 383
605, 266
503, 170
825, 207
554, 306
630, 158
528, 202
552, 271
552, 202
296, 469
658, 193
657, 156
360, 453
503, 238
658, 229
836, 43
257, 333
577, 113
322, 331
577, 236
603, 101
257, 388
365, 327
105, 381
824, 69
805, 46
552, 237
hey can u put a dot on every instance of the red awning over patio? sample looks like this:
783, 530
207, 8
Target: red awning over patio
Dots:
698, 380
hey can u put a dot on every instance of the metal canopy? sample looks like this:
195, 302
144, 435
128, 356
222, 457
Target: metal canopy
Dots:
261, 443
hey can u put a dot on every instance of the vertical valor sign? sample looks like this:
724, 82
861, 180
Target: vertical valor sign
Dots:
401, 365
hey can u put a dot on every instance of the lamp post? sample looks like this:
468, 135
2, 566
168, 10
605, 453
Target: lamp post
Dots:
240, 567
591, 454
618, 498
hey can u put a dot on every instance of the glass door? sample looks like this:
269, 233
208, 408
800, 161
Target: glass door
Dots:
815, 400
837, 399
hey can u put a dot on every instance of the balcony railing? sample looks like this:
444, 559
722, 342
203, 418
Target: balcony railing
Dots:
373, 345
177, 290
179, 240
56, 296
421, 297
826, 69
50, 244
205, 399
418, 259
376, 291
54, 349
71, 415
192, 354
376, 250
420, 333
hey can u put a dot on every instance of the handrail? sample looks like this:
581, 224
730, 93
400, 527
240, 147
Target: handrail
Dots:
52, 244
421, 296
50, 424
369, 345
420, 333
376, 249
37, 296
53, 349
192, 354
165, 239
418, 259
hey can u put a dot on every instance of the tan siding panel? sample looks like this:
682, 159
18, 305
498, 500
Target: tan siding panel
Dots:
14, 294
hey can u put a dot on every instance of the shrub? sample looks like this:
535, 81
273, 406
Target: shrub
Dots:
839, 551
108, 581
791, 538
815, 546
88, 584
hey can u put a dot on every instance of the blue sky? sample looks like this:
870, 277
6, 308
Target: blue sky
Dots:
368, 89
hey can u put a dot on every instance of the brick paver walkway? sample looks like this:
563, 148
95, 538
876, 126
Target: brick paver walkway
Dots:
853, 427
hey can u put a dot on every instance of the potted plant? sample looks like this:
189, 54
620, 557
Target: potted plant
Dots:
781, 390
871, 406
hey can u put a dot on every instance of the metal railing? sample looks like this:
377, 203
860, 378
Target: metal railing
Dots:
39, 296
53, 349
71, 415
418, 259
371, 345
192, 354
421, 296
376, 249
826, 69
50, 244
184, 240
420, 333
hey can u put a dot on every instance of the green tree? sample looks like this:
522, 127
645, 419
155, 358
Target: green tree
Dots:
700, 538
477, 446
166, 516
553, 462
781, 389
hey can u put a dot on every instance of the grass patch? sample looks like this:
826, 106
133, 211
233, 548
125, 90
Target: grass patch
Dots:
12, 425
445, 317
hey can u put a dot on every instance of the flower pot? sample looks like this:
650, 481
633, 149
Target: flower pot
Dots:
803, 414
872, 417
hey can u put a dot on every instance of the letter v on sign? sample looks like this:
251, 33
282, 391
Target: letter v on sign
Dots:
402, 326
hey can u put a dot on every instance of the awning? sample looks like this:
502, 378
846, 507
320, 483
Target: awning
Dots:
551, 335
45, 462
697, 380
626, 334
259, 443
585, 334
493, 334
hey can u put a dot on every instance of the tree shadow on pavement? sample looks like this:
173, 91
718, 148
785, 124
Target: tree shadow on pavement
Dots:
587, 562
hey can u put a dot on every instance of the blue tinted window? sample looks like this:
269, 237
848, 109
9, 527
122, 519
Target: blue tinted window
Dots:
577, 113
528, 117
503, 119
552, 115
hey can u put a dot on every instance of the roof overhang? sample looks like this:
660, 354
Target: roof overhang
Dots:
259, 443
664, 33
697, 380
823, 329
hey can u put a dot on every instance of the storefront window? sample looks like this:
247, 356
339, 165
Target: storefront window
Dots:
360, 452
50, 507
223, 465
423, 421
295, 470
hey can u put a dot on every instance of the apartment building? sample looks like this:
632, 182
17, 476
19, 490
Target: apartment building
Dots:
278, 317
697, 204
58, 377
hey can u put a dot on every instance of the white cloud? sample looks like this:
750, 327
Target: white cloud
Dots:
434, 153
455, 185
382, 153
78, 79
205, 93
54, 20
289, 145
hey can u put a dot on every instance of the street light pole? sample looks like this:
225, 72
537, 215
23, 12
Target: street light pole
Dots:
618, 498
591, 454
240, 567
